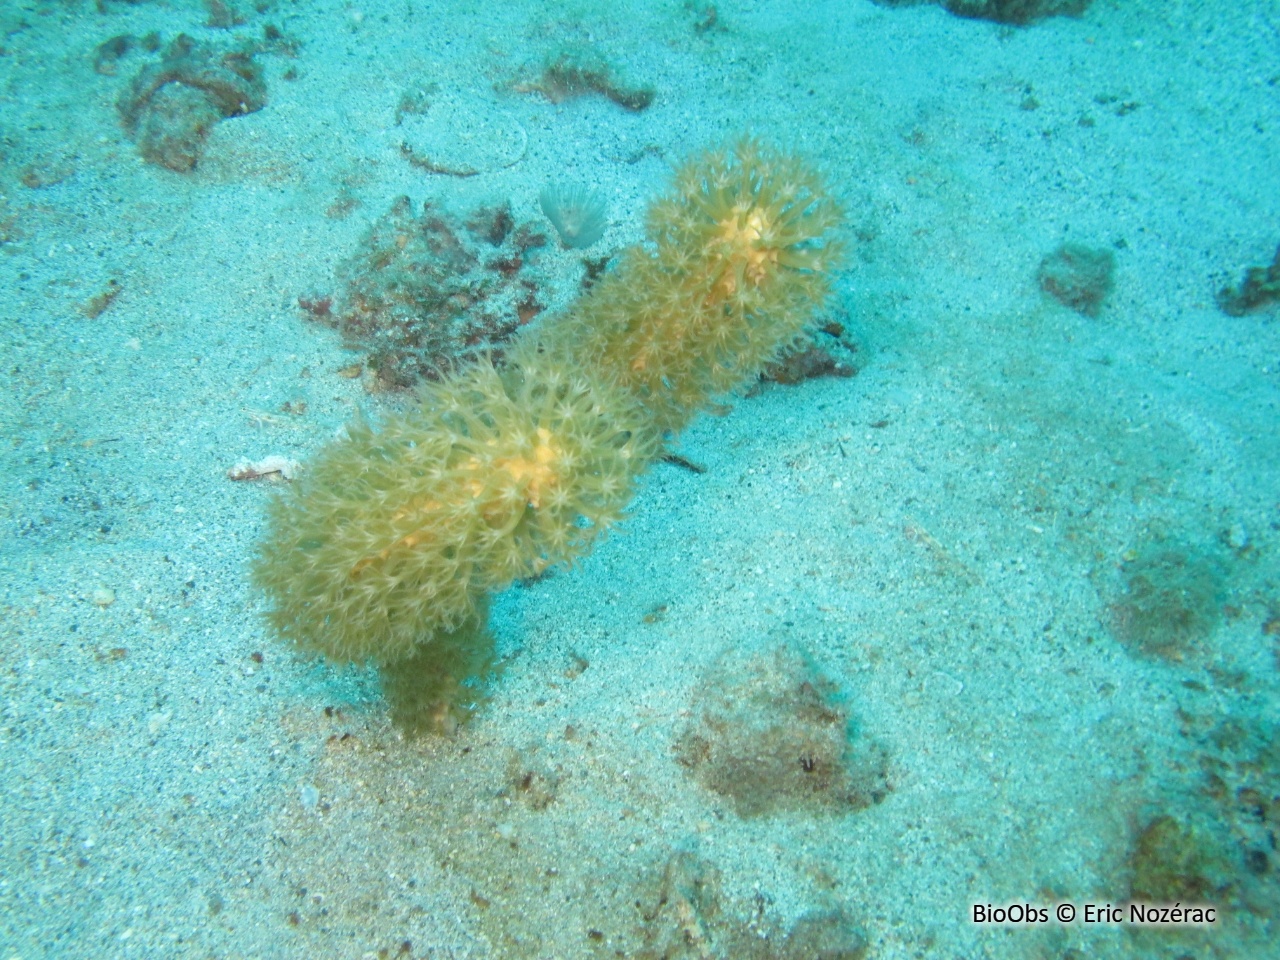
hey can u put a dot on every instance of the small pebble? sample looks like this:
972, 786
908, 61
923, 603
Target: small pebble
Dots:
1237, 537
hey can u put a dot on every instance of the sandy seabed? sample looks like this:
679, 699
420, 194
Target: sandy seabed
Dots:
1027, 556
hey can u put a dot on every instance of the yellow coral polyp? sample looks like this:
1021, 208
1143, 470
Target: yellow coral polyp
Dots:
535, 474
749, 257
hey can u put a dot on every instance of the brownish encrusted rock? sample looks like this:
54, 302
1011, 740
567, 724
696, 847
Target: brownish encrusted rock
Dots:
772, 735
170, 106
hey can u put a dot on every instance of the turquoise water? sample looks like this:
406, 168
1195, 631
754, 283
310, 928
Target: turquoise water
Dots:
985, 615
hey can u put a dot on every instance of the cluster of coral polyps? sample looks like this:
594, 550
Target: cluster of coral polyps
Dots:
741, 255
392, 535
388, 545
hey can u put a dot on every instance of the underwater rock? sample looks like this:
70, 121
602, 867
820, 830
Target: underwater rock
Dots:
1018, 13
170, 106
1078, 276
1259, 289
772, 737
425, 292
824, 936
579, 71
807, 361
109, 52
1172, 862
1170, 601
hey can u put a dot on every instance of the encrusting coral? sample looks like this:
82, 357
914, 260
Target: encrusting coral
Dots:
388, 546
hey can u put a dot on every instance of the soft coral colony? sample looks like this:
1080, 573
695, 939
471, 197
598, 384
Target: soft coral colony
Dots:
388, 547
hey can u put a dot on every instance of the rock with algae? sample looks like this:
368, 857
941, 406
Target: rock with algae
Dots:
771, 735
1018, 13
171, 105
1259, 289
425, 293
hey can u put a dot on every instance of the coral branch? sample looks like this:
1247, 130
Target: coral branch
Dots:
388, 545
